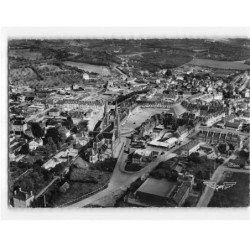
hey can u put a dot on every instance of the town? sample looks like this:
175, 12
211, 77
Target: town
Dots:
128, 123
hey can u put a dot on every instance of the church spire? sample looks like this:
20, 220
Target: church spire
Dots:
105, 115
117, 120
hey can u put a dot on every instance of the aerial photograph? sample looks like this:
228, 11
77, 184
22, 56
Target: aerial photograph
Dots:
125, 123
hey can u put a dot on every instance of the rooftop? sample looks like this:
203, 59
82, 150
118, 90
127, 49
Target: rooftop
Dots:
161, 188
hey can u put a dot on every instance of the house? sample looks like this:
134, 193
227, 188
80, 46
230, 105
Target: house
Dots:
141, 155
64, 187
191, 147
34, 144
22, 199
54, 112
233, 125
19, 126
77, 116
81, 139
210, 119
181, 193
39, 107
155, 192
85, 76
177, 110
182, 132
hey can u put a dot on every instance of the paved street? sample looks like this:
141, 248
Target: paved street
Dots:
120, 180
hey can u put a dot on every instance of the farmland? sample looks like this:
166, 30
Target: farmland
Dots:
102, 70
26, 54
219, 64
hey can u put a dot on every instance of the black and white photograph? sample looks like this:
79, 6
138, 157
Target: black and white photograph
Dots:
126, 123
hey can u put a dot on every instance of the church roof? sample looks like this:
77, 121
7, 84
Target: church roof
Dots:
177, 109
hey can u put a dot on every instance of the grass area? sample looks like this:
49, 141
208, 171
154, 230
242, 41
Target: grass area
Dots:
236, 196
219, 64
102, 70
79, 188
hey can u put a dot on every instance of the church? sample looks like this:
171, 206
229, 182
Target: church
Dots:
104, 138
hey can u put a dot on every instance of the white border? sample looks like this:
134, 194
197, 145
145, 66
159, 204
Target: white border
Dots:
115, 213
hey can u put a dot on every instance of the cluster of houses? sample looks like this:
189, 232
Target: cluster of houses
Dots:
215, 137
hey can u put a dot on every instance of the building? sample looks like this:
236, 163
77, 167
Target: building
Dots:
181, 193
22, 199
85, 76
34, 144
215, 137
54, 112
104, 138
210, 119
177, 110
39, 107
19, 126
69, 104
155, 192
166, 143
191, 147
233, 125
141, 155
182, 132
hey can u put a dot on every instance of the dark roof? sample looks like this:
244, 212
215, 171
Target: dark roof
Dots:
19, 122
107, 135
181, 192
93, 133
97, 126
109, 128
161, 188
232, 124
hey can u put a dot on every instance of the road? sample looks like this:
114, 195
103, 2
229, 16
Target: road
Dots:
121, 180
208, 192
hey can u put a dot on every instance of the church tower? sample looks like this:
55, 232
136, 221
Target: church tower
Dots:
117, 122
105, 116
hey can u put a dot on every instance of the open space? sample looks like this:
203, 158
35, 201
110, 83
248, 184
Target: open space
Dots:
219, 64
102, 70
137, 117
236, 196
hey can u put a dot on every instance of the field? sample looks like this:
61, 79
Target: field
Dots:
26, 54
219, 64
102, 70
80, 188
161, 60
236, 196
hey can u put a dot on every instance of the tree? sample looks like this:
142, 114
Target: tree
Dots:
62, 134
223, 148
54, 134
168, 72
83, 126
24, 149
51, 146
74, 130
68, 123
36, 130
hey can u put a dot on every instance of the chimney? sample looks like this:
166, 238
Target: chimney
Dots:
15, 192
19, 189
